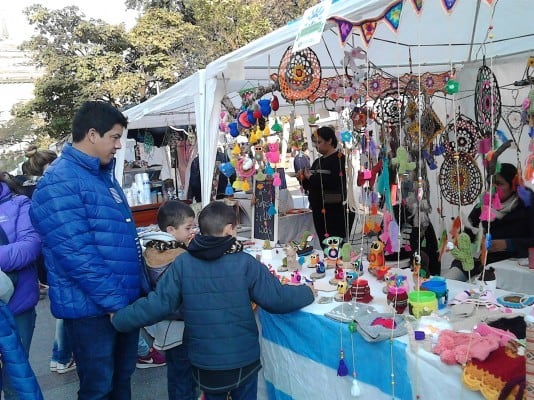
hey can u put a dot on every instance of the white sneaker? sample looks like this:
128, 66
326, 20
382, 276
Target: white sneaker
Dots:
53, 366
64, 368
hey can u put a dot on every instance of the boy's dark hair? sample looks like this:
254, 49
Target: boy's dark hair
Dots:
98, 115
173, 213
214, 217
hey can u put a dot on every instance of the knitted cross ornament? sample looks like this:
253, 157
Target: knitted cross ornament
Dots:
463, 253
402, 161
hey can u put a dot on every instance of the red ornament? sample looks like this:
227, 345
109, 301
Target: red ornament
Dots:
323, 211
275, 104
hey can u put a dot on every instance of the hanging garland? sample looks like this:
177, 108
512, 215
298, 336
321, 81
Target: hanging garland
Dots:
462, 183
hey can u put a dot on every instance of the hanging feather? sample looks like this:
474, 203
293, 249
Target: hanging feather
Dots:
272, 210
342, 369
442, 244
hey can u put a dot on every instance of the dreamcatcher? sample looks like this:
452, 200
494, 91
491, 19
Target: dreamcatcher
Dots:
487, 101
460, 183
389, 109
299, 74
462, 136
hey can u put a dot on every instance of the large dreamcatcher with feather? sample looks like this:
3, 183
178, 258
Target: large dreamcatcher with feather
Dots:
487, 101
299, 74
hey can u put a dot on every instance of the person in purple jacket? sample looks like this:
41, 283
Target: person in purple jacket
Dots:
20, 245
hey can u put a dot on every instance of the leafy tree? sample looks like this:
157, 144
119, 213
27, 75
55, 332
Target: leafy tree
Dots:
90, 59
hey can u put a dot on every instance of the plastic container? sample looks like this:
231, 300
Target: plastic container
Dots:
421, 303
439, 287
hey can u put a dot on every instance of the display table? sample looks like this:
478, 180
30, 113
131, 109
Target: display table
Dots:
301, 353
514, 277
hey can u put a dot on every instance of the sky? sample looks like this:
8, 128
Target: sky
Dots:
114, 12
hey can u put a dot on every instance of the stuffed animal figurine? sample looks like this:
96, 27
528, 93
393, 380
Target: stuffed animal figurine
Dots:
331, 251
292, 262
377, 260
314, 260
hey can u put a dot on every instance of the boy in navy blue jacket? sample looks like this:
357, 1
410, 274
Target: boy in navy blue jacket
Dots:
214, 283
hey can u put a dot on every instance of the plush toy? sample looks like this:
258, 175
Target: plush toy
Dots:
296, 277
320, 271
273, 154
331, 251
463, 253
292, 263
377, 260
314, 260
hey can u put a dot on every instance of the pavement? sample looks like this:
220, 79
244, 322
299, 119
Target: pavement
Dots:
147, 384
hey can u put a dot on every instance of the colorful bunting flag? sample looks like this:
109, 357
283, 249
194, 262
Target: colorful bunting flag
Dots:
368, 29
392, 15
344, 27
418, 6
448, 5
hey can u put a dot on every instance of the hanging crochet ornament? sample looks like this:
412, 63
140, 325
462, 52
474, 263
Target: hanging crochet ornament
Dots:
487, 101
460, 183
299, 74
461, 135
389, 109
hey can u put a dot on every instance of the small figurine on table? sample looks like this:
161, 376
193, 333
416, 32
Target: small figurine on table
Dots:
343, 293
320, 271
331, 251
377, 260
296, 277
303, 244
291, 259
314, 260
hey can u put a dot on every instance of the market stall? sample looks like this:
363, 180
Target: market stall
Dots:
425, 116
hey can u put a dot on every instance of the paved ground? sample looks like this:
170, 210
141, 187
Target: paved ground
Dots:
147, 384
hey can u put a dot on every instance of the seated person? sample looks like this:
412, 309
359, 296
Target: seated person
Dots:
512, 230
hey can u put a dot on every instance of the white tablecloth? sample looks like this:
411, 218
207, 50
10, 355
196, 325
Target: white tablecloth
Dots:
300, 357
513, 277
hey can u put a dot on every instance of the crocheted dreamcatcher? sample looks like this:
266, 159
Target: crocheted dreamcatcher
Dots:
462, 182
299, 74
462, 136
390, 108
487, 101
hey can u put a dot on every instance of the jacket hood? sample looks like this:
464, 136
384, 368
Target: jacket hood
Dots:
213, 247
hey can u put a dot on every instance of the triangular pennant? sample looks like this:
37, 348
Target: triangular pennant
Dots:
344, 27
417, 5
392, 15
490, 2
368, 29
448, 5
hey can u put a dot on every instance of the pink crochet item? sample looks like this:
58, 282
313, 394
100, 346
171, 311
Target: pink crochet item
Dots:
485, 330
456, 347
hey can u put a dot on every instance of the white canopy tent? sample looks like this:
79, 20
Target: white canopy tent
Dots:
432, 40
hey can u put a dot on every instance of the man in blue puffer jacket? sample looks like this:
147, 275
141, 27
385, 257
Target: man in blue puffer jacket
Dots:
91, 251
214, 282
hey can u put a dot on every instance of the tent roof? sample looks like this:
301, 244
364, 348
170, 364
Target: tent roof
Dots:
174, 106
434, 39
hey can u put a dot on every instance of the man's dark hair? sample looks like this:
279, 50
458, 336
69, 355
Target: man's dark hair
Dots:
173, 213
214, 217
98, 115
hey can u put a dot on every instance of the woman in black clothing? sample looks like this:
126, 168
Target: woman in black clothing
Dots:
326, 184
512, 230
